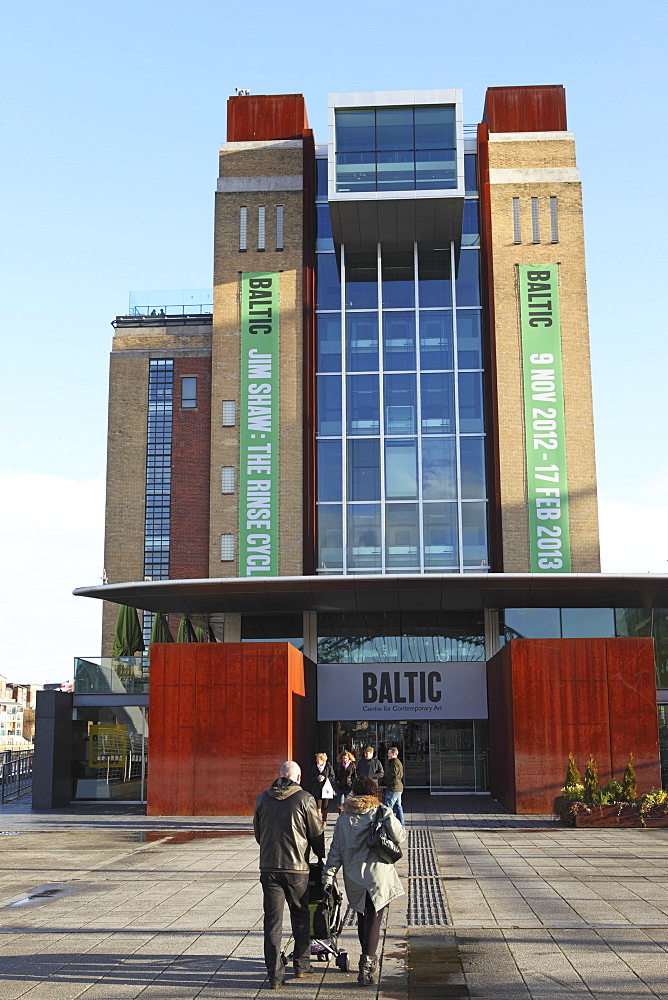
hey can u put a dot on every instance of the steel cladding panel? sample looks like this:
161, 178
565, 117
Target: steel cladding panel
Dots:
552, 697
223, 717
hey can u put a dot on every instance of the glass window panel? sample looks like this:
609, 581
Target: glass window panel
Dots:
435, 128
396, 171
531, 623
439, 469
471, 173
435, 169
364, 536
329, 404
400, 404
398, 280
324, 222
470, 231
474, 534
660, 636
434, 285
188, 391
436, 348
364, 469
402, 536
328, 282
587, 623
634, 623
363, 404
329, 342
355, 171
398, 341
468, 278
321, 178
329, 470
362, 342
355, 130
469, 341
438, 403
440, 535
470, 403
330, 537
394, 128
361, 281
401, 469
472, 468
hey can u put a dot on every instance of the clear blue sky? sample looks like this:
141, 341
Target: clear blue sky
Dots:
114, 112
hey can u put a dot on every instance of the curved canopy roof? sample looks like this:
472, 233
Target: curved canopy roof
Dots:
471, 591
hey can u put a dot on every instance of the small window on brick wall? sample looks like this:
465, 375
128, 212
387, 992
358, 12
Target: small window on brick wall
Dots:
535, 222
243, 229
226, 548
554, 224
229, 413
517, 229
279, 227
188, 392
261, 226
227, 479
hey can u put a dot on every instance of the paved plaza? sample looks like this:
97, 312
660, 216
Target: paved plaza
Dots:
113, 905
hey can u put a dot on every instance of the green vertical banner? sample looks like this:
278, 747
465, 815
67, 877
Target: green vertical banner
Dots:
259, 425
547, 482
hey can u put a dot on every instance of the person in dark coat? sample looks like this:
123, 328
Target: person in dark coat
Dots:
394, 784
322, 782
370, 767
345, 773
286, 826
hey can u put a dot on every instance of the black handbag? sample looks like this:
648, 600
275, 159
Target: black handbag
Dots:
380, 842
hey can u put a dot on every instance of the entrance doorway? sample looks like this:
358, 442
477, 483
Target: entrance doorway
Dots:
445, 756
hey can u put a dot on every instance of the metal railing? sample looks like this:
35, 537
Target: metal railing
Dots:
15, 774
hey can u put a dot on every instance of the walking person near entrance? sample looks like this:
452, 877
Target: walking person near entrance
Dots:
286, 825
394, 784
370, 883
370, 767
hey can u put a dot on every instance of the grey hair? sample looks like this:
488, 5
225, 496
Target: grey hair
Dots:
291, 769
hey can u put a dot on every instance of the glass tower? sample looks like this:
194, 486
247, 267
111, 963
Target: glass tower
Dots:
400, 424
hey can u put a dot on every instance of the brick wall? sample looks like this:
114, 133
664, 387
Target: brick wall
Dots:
258, 160
531, 157
191, 442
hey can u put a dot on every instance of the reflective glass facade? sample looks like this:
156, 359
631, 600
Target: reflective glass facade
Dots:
158, 474
396, 149
400, 417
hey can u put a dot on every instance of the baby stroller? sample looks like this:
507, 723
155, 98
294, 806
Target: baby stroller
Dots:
326, 921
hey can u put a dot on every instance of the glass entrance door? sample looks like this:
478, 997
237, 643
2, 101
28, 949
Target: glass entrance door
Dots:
412, 741
458, 754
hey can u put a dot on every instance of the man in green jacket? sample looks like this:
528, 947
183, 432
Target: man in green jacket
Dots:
286, 825
394, 783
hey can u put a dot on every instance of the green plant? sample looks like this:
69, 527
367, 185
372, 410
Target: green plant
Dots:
590, 782
612, 792
629, 781
655, 801
572, 779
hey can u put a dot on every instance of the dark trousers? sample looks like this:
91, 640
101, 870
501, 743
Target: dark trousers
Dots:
368, 927
278, 887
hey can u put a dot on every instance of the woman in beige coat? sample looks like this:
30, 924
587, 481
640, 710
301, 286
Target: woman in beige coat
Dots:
370, 883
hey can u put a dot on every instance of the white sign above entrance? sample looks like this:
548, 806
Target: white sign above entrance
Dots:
456, 690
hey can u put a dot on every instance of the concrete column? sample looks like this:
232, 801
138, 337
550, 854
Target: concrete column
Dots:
52, 763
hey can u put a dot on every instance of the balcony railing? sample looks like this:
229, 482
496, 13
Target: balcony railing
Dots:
181, 302
111, 675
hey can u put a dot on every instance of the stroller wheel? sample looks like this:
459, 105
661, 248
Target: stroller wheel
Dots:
343, 961
284, 958
322, 956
